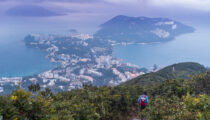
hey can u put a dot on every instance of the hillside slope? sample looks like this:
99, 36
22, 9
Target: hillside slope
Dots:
175, 71
168, 100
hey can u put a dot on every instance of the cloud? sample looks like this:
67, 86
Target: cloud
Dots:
33, 1
193, 4
201, 5
124, 1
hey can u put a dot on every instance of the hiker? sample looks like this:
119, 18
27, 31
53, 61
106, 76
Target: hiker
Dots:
143, 100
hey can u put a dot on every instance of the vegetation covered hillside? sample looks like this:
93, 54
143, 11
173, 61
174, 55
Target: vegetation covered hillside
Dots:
177, 99
141, 29
175, 71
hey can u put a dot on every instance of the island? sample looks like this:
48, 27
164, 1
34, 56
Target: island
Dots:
88, 59
31, 11
124, 29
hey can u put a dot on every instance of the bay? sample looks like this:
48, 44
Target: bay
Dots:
193, 47
16, 60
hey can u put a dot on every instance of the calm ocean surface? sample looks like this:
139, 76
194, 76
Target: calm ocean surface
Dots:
15, 58
194, 47
18, 60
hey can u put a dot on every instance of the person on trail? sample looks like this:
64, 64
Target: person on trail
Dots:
143, 100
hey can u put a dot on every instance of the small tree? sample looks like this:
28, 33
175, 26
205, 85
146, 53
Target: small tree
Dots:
34, 87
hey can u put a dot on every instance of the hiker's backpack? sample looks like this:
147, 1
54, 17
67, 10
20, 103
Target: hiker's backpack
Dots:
143, 100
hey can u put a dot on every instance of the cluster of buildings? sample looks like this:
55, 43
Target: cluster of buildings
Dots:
79, 61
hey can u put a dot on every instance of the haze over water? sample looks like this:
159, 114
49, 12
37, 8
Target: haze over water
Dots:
18, 60
193, 47
15, 58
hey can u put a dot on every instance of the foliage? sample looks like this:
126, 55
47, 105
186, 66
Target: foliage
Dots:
34, 88
179, 99
199, 105
201, 83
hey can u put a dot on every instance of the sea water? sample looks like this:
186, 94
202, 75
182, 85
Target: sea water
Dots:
16, 59
193, 47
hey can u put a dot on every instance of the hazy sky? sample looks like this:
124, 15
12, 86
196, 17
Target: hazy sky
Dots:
194, 4
175, 9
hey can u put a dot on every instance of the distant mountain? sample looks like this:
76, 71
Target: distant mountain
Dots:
73, 31
30, 11
175, 71
141, 29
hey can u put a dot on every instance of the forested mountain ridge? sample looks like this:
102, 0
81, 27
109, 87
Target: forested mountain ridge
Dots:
171, 99
175, 71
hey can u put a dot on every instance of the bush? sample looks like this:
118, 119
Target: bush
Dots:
168, 100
